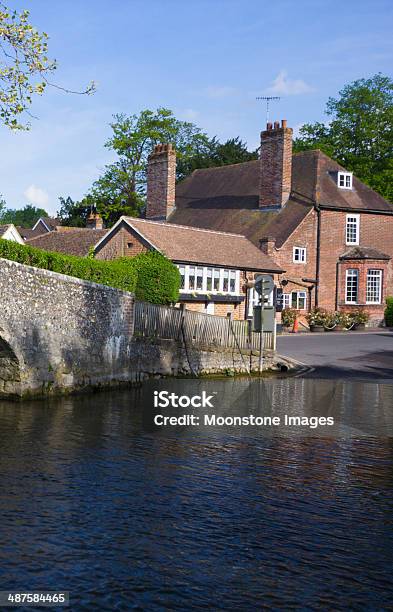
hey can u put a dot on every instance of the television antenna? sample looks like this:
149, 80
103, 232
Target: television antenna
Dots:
268, 99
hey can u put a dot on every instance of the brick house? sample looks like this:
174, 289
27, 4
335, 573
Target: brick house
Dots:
331, 233
215, 267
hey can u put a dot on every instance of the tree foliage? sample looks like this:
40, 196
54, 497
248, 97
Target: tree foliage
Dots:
360, 133
215, 153
74, 213
25, 66
25, 217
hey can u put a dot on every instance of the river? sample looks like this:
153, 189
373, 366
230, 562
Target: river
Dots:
98, 500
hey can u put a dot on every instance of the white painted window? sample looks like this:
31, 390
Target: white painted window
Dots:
286, 300
299, 300
344, 180
209, 308
351, 286
352, 229
299, 254
374, 287
202, 279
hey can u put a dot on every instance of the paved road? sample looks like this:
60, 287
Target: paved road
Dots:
355, 355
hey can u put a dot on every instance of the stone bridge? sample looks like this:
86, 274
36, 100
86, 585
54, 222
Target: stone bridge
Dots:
59, 333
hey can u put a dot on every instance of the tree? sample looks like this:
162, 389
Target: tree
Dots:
360, 133
73, 213
25, 68
122, 186
214, 153
24, 217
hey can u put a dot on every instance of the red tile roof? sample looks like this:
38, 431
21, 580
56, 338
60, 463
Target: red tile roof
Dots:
194, 245
75, 241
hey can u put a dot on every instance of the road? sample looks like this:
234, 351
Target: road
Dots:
354, 355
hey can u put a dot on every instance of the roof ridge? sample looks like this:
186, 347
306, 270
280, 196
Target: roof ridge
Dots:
250, 161
189, 227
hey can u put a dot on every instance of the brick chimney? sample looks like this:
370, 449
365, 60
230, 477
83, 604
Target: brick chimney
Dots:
275, 165
94, 221
161, 180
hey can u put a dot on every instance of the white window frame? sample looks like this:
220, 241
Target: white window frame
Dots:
286, 300
299, 254
217, 273
352, 220
344, 176
374, 273
348, 274
304, 294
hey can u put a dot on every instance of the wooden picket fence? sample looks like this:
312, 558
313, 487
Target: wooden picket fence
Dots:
197, 328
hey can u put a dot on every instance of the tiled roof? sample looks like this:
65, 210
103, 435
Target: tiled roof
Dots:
194, 245
360, 252
226, 198
76, 241
27, 232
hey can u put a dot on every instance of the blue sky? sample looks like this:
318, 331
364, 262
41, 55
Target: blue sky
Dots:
207, 60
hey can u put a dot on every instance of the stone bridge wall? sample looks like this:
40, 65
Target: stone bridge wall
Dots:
60, 333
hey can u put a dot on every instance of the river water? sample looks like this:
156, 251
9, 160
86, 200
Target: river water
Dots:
98, 500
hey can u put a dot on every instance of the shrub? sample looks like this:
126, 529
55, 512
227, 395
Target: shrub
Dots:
110, 273
158, 278
288, 317
359, 316
389, 312
317, 316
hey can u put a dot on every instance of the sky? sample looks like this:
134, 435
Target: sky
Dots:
207, 60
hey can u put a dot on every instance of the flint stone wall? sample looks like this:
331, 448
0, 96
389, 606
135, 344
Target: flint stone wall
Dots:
60, 333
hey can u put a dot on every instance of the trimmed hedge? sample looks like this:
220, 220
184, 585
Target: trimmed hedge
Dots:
389, 312
112, 273
158, 278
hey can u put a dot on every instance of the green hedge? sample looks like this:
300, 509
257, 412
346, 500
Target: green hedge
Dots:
112, 273
158, 278
389, 312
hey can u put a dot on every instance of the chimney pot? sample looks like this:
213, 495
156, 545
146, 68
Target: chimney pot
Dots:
283, 123
276, 125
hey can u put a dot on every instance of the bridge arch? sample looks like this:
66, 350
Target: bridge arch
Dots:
9, 371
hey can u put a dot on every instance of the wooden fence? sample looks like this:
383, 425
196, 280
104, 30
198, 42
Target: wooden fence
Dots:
154, 321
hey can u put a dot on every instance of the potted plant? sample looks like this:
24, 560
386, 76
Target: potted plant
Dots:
330, 322
288, 316
316, 319
359, 318
344, 321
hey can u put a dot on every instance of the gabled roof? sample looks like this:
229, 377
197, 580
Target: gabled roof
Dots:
227, 198
3, 229
28, 232
50, 223
360, 252
194, 245
74, 241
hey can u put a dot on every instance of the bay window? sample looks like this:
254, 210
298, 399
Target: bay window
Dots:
374, 287
202, 279
352, 286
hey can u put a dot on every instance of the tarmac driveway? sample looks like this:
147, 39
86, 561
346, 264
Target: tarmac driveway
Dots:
356, 355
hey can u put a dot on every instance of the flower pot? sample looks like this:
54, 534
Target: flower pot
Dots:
360, 326
338, 328
316, 328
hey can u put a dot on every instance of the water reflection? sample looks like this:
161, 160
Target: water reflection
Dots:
97, 500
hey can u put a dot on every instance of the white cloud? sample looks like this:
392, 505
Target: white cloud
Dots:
36, 195
283, 85
219, 91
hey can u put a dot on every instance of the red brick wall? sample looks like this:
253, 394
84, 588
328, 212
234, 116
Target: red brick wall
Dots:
123, 243
375, 231
305, 235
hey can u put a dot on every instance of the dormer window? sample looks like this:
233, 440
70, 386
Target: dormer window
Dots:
344, 180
